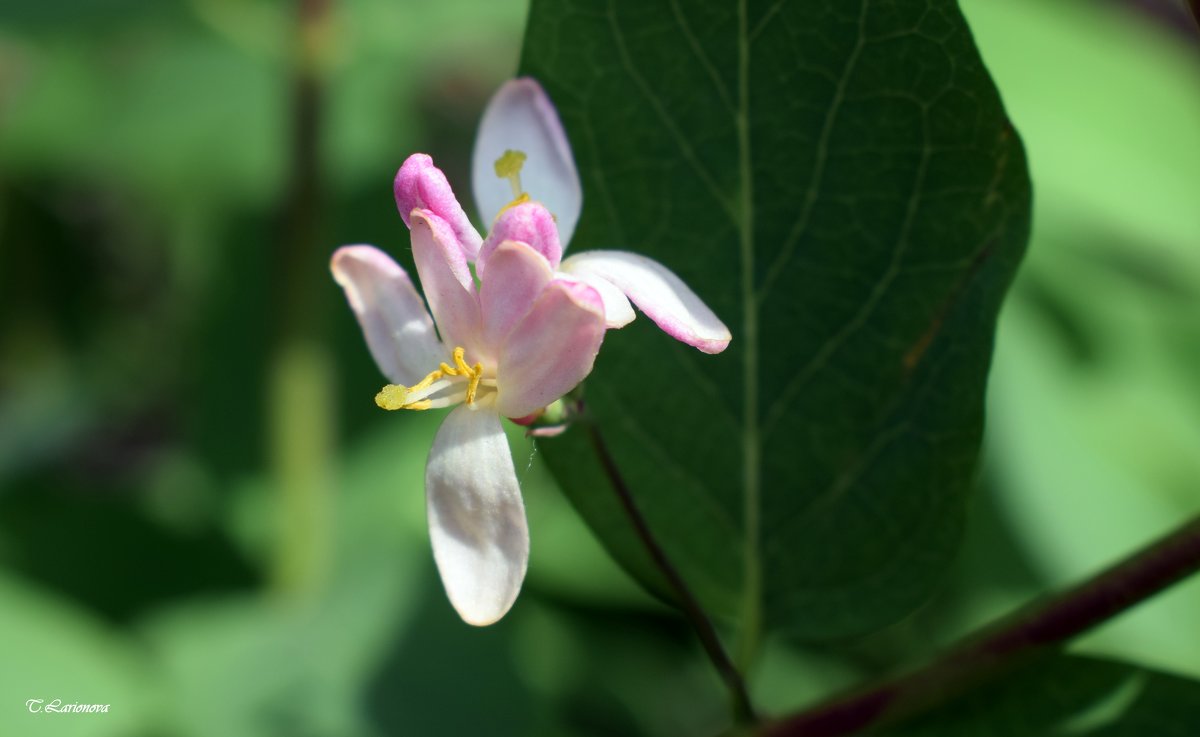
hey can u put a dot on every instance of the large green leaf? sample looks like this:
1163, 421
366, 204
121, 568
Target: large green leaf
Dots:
1070, 696
838, 180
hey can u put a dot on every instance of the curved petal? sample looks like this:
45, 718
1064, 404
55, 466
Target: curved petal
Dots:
420, 184
617, 311
389, 310
521, 117
446, 279
528, 222
476, 516
515, 278
659, 293
551, 350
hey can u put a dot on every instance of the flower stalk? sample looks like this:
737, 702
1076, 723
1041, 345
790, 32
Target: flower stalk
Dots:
742, 707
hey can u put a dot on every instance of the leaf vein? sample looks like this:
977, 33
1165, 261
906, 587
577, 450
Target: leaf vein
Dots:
689, 154
822, 356
818, 170
705, 62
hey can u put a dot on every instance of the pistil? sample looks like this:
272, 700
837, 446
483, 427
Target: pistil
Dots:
508, 167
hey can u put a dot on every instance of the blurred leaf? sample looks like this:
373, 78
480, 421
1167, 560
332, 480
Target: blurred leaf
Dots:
150, 99
260, 666
611, 672
1070, 696
858, 241
1108, 108
247, 667
1072, 490
1095, 404
149, 109
54, 650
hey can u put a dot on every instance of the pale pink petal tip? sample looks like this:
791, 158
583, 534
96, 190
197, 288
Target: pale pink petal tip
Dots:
662, 295
421, 185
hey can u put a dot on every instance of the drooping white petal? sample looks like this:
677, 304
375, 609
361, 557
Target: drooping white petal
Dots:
476, 516
658, 292
389, 310
521, 117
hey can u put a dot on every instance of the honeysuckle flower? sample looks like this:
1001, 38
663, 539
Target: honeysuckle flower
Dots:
506, 340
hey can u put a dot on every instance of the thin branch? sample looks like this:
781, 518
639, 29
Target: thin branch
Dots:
298, 395
692, 611
1007, 643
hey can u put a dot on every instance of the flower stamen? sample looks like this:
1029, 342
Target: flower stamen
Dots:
417, 396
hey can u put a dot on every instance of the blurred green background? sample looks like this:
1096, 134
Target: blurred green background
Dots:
205, 522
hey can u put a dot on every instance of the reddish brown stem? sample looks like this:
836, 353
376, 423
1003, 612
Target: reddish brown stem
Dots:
1002, 646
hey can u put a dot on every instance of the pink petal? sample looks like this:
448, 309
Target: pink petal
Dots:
529, 222
476, 516
421, 185
392, 315
447, 281
551, 350
521, 117
658, 292
516, 275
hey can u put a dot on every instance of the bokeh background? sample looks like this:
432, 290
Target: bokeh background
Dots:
206, 523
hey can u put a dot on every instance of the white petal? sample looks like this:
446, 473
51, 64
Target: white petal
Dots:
389, 310
658, 292
521, 117
476, 516
617, 311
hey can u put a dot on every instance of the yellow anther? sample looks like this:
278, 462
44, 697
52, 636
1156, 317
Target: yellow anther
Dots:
395, 396
461, 363
473, 384
391, 397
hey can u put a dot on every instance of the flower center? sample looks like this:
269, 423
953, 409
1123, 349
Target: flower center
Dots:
431, 392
